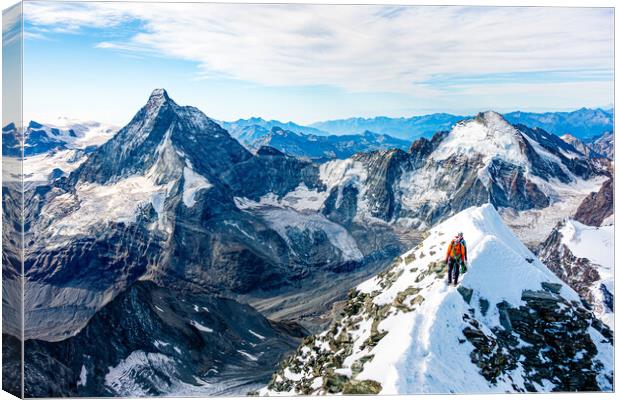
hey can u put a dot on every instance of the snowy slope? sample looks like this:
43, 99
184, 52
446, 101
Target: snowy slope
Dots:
82, 134
404, 331
597, 245
594, 243
583, 257
492, 137
55, 149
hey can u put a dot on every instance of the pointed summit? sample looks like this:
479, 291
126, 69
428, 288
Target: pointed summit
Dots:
167, 136
491, 117
158, 97
159, 93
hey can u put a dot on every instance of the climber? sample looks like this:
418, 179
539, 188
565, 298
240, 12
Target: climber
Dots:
456, 258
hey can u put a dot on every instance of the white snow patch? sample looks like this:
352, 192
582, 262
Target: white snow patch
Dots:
116, 202
247, 355
608, 221
591, 242
261, 337
159, 344
201, 327
83, 376
300, 199
193, 182
37, 169
124, 378
87, 133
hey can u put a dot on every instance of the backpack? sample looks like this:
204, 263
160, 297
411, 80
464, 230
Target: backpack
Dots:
457, 250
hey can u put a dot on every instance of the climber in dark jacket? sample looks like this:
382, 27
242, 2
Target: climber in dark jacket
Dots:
456, 257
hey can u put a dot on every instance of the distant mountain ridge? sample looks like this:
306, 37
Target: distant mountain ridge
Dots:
240, 126
319, 148
584, 123
403, 128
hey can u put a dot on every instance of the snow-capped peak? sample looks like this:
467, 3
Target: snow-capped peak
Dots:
509, 326
488, 134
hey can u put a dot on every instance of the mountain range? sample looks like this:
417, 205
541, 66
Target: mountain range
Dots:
403, 128
241, 126
584, 124
173, 213
318, 148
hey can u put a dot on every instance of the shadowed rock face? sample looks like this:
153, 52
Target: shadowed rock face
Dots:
270, 171
510, 188
581, 274
161, 341
604, 144
597, 206
578, 273
552, 143
385, 169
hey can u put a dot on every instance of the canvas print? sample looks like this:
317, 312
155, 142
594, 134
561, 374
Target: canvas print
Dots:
207, 199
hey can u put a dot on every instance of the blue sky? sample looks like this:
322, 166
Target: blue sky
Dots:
100, 61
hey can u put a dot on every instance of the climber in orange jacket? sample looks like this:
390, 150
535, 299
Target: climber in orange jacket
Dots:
456, 257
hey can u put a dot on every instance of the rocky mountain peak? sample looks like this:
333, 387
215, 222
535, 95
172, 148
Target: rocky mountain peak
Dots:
158, 102
163, 130
488, 134
34, 125
490, 116
158, 97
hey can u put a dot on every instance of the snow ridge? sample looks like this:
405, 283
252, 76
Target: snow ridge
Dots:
403, 331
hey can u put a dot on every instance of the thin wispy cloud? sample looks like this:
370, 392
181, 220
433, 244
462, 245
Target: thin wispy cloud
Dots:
11, 25
424, 51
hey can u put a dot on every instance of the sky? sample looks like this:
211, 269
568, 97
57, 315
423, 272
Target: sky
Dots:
307, 63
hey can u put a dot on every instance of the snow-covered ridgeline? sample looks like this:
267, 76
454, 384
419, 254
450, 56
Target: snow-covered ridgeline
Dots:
405, 330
